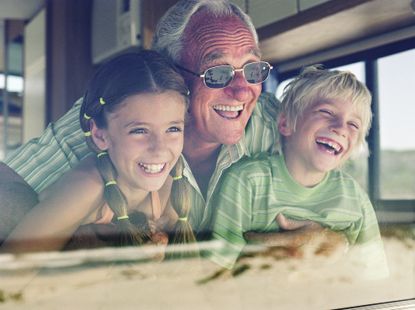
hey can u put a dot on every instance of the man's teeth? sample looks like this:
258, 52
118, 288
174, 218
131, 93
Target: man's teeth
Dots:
335, 146
229, 108
152, 168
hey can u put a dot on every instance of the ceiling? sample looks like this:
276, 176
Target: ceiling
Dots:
336, 25
329, 26
19, 9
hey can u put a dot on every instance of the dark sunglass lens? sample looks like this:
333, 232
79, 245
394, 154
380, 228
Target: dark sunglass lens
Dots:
256, 72
219, 76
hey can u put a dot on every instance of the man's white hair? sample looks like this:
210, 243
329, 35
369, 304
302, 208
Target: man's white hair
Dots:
168, 37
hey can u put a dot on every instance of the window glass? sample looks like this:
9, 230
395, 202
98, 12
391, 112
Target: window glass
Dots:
11, 120
397, 126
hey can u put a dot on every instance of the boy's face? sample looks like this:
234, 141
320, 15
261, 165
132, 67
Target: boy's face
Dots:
324, 138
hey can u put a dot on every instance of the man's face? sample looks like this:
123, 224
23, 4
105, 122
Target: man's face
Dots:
219, 116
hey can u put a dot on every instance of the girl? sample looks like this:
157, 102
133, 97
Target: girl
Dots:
132, 117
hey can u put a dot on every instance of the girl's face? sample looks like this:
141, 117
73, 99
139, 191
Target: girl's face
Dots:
144, 139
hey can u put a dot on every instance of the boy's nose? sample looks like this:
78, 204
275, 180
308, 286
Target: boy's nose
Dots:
339, 127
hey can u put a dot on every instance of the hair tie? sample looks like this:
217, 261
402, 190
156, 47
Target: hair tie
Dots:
86, 116
87, 133
188, 93
102, 154
112, 182
178, 177
101, 101
123, 217
183, 219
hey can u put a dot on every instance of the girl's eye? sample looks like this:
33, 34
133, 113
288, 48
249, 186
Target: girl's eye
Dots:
138, 131
174, 129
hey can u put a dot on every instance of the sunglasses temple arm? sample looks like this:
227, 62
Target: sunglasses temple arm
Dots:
188, 71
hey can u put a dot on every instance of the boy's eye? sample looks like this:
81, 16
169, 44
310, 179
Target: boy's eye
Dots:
325, 111
138, 131
174, 129
354, 125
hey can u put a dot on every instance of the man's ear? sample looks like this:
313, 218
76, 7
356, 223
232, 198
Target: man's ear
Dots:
99, 136
284, 126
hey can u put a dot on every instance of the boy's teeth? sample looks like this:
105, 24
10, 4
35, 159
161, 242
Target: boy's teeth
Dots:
152, 168
335, 146
228, 108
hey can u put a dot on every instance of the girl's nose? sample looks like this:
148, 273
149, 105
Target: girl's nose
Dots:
156, 143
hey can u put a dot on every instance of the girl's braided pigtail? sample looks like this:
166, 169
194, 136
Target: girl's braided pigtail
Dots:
180, 200
129, 234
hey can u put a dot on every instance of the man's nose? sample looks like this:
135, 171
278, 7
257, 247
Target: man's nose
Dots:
239, 88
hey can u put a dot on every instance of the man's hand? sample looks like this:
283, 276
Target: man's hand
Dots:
302, 239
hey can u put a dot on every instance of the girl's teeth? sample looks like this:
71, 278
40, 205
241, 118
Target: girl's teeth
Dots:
152, 168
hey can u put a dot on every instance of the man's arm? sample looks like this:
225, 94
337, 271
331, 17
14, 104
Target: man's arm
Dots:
16, 199
74, 200
37, 164
43, 160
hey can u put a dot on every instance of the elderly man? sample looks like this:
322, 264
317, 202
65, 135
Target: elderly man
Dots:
228, 118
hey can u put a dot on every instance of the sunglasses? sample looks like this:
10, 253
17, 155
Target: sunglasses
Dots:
221, 76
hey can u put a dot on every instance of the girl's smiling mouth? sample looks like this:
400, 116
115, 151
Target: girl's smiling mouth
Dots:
152, 168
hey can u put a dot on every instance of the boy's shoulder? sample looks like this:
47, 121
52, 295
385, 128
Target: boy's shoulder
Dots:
348, 182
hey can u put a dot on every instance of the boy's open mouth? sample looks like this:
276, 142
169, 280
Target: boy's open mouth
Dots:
330, 145
229, 111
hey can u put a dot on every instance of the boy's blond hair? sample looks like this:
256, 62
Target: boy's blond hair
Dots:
315, 83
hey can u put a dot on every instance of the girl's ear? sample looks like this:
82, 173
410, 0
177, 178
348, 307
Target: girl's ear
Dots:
99, 136
284, 126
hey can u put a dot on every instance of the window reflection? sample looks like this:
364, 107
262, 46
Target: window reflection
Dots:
396, 119
11, 88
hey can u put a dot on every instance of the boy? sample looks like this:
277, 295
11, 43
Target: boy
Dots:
325, 116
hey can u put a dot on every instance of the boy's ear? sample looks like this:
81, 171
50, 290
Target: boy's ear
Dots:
284, 126
99, 136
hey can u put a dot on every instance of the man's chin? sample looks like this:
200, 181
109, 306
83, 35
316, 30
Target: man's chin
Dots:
231, 139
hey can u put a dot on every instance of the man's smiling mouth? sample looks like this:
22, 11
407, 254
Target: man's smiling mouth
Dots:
228, 111
331, 146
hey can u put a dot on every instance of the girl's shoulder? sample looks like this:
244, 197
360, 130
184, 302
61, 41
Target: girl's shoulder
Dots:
83, 181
